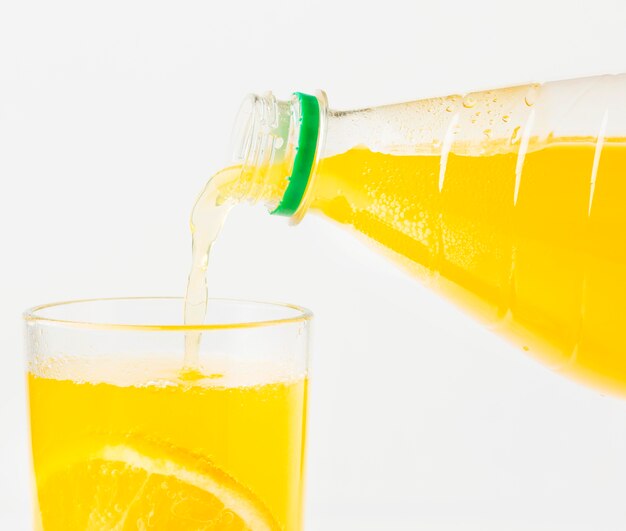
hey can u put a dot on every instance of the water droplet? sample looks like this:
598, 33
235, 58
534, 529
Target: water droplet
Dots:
506, 118
449, 108
515, 135
487, 133
531, 95
469, 102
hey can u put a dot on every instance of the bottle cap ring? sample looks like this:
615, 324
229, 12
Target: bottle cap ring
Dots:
305, 155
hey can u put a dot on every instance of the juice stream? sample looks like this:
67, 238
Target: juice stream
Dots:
207, 218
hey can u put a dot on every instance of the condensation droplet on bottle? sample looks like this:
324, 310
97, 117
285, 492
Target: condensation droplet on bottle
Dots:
487, 133
531, 96
506, 118
469, 102
450, 108
515, 135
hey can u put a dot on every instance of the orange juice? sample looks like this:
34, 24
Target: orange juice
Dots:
529, 237
120, 445
533, 243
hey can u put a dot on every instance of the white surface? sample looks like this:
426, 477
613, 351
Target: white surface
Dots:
112, 116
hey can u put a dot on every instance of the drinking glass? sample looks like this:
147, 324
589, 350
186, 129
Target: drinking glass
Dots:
126, 435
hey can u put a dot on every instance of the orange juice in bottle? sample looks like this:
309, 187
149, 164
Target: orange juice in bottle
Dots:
510, 202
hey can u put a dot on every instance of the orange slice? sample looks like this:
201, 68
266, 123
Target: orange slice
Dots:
125, 486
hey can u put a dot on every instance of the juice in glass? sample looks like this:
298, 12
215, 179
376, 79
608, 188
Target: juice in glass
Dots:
138, 442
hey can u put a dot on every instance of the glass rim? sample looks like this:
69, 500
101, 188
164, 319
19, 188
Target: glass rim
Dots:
32, 315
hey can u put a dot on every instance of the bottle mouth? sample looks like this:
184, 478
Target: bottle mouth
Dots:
243, 130
271, 135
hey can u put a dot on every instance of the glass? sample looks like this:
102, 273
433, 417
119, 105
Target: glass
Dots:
123, 435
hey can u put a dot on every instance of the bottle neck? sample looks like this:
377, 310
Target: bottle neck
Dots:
277, 145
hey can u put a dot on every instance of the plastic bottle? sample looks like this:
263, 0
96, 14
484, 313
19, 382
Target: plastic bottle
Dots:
511, 202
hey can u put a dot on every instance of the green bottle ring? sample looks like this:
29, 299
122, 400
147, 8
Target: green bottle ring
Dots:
305, 155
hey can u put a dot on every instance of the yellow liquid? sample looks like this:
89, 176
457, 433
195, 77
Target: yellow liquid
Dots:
207, 217
120, 447
534, 244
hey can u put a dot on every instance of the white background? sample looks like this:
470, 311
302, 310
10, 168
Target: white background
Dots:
113, 115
